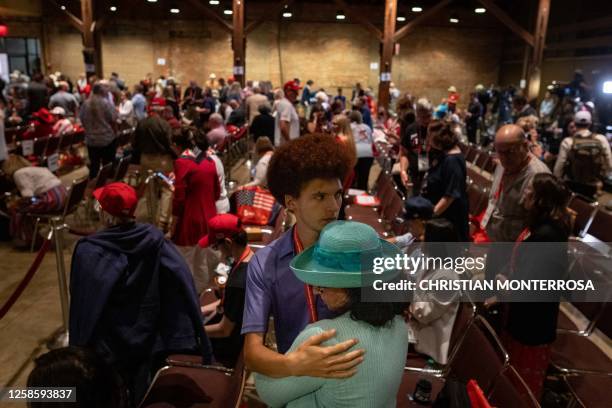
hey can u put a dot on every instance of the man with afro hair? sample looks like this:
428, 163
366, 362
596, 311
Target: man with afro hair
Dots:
304, 175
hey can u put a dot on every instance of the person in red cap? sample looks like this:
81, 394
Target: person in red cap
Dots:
133, 299
226, 235
287, 121
117, 203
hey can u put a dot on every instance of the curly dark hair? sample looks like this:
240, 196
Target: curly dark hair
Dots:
310, 157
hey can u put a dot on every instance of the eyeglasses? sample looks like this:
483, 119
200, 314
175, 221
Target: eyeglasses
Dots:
507, 152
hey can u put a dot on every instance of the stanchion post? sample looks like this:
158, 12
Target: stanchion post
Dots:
57, 226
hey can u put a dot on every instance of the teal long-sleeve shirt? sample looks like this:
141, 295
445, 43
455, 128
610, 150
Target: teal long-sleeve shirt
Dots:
377, 380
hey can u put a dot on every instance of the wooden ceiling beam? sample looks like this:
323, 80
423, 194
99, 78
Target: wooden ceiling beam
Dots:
502, 16
72, 19
212, 15
272, 12
357, 17
409, 26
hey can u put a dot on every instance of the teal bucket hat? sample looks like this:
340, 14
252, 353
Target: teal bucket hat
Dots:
344, 257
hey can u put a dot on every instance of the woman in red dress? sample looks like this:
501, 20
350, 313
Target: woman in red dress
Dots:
196, 188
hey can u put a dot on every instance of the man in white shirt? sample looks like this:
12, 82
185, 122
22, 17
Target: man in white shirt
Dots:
287, 121
253, 103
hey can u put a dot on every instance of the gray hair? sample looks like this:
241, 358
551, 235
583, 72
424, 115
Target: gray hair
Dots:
424, 104
279, 94
215, 117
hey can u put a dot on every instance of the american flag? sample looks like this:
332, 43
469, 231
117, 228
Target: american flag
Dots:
256, 199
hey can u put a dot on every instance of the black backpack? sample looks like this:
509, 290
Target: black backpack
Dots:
585, 160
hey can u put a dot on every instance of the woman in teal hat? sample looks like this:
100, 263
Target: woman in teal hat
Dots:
338, 266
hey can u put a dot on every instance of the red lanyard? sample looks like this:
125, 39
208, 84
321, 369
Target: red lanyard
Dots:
310, 299
522, 236
247, 251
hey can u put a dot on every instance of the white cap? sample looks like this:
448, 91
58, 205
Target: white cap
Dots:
452, 88
582, 117
58, 110
212, 76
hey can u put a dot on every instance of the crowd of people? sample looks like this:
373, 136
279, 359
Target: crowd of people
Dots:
135, 288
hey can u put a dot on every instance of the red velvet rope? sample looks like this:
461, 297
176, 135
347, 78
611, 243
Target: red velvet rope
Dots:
26, 279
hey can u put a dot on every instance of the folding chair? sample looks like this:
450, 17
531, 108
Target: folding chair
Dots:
588, 391
76, 193
491, 165
479, 355
482, 160
510, 390
103, 175
472, 154
186, 382
585, 213
601, 227
475, 176
66, 141
477, 198
122, 168
573, 354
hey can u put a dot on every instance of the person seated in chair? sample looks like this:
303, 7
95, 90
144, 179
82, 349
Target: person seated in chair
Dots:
417, 211
226, 235
133, 299
40, 192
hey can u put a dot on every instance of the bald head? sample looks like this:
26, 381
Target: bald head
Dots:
511, 148
510, 134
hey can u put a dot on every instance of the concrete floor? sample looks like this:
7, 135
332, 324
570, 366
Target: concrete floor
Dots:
34, 318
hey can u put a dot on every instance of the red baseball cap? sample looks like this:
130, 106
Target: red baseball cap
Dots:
220, 227
292, 86
117, 199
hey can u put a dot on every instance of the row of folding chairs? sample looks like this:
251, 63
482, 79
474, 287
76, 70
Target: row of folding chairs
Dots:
479, 157
387, 217
11, 133
475, 353
44, 147
234, 147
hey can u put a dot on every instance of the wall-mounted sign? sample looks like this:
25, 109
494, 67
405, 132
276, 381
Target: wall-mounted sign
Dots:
161, 61
385, 76
374, 66
238, 70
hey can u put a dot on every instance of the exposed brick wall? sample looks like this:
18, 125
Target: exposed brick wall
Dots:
333, 55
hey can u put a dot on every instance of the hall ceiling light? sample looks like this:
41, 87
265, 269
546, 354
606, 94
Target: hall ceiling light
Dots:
453, 20
63, 7
480, 10
401, 18
152, 1
175, 10
228, 12
287, 14
113, 8
416, 9
340, 15
213, 2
